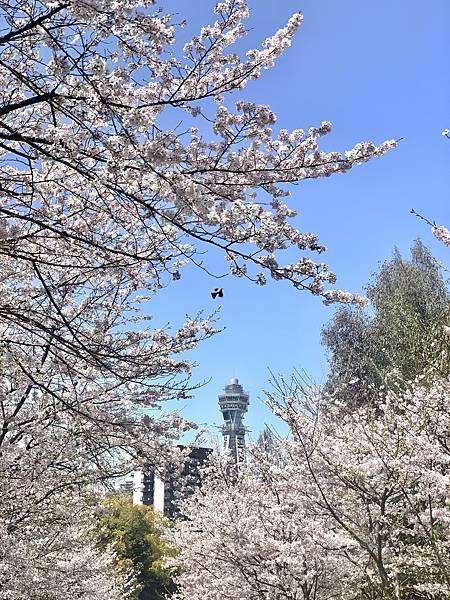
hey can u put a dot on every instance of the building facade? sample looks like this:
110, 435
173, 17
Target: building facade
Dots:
164, 492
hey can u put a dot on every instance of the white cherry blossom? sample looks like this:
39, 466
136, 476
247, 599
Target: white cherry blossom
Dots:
344, 507
102, 205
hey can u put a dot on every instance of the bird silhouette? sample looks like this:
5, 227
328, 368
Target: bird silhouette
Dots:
217, 292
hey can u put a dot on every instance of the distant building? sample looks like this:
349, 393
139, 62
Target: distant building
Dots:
233, 403
164, 493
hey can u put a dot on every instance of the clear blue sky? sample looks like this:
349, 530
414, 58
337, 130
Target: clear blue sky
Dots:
376, 70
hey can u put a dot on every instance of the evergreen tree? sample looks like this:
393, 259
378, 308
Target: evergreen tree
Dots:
404, 338
135, 533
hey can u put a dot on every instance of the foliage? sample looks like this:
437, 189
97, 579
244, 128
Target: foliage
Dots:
403, 339
353, 507
102, 205
57, 560
135, 533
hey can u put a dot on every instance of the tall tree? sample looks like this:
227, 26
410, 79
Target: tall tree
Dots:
402, 339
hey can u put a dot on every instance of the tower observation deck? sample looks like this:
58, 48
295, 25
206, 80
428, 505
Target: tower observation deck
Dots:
233, 403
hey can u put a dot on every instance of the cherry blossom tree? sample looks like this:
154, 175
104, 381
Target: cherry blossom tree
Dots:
103, 204
246, 536
55, 557
349, 507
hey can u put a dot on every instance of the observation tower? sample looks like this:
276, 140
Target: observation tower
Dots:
233, 403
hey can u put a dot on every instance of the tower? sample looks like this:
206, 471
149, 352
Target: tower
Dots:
233, 404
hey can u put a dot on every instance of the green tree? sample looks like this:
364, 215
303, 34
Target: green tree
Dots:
404, 334
136, 532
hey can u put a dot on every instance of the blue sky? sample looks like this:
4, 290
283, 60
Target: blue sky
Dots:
376, 70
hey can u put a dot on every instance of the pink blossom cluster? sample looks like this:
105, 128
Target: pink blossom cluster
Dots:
344, 505
442, 234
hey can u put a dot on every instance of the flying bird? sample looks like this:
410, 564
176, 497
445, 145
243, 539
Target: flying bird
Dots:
217, 292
